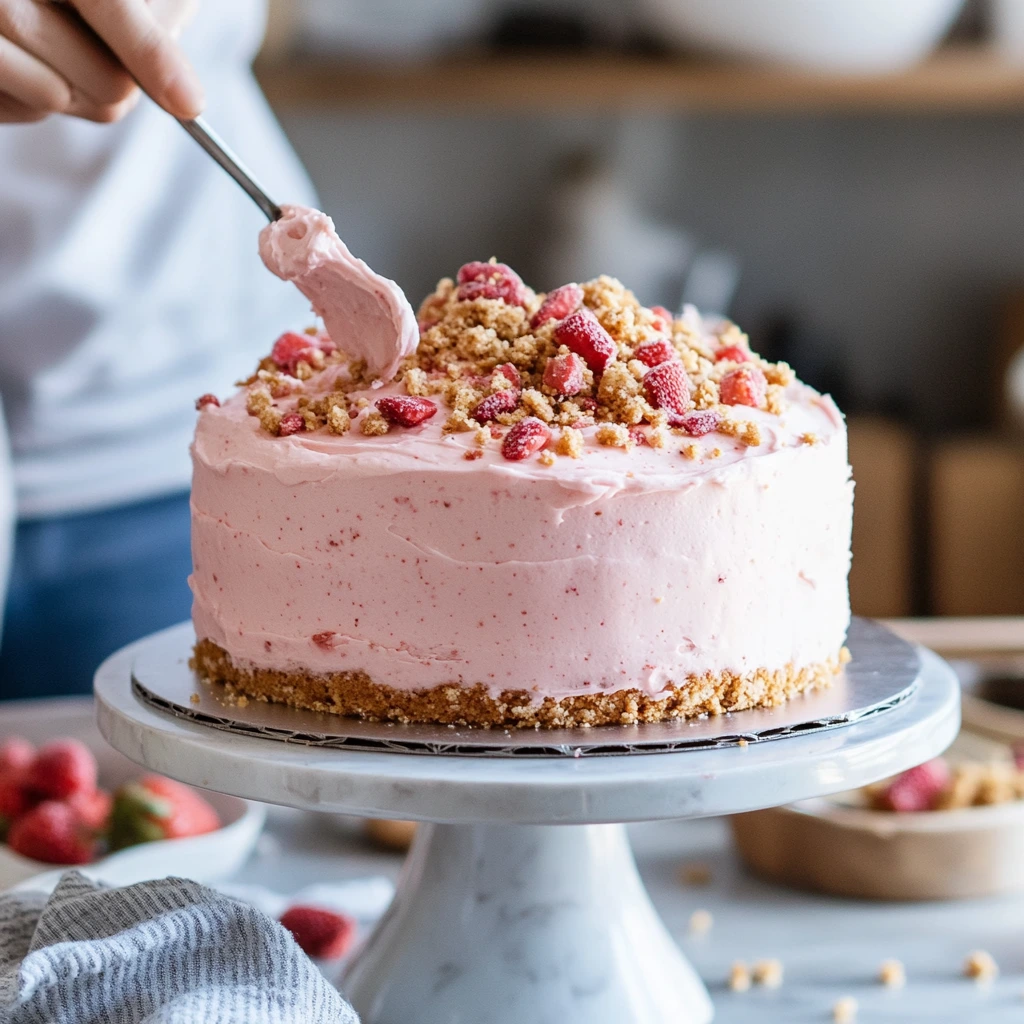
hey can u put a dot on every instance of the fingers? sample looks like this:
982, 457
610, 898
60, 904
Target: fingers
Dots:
102, 113
13, 111
28, 80
147, 50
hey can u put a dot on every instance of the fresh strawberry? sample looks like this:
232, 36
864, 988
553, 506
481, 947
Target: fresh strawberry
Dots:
699, 423
491, 281
916, 789
492, 406
52, 832
320, 933
15, 799
564, 374
667, 387
291, 349
582, 333
61, 768
651, 353
525, 438
511, 374
16, 754
558, 304
291, 423
733, 353
204, 400
746, 385
157, 808
93, 809
406, 410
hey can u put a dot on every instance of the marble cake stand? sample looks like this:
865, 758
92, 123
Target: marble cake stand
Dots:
521, 902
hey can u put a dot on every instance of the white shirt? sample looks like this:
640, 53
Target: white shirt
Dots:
130, 281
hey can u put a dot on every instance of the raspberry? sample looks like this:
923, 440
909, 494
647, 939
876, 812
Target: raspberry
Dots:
746, 385
321, 933
52, 833
406, 410
558, 304
667, 387
204, 400
291, 423
510, 373
525, 438
733, 353
16, 754
564, 374
697, 424
291, 349
650, 353
491, 281
492, 406
916, 789
662, 318
583, 334
61, 768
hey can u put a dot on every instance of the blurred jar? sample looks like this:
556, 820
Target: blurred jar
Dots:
1006, 20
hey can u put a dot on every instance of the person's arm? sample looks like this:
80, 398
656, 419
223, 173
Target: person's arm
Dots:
81, 60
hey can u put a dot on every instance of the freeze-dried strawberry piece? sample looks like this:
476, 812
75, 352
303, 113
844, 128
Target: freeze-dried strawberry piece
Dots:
662, 318
510, 373
638, 435
733, 353
564, 374
667, 387
746, 385
494, 405
291, 423
558, 304
491, 281
204, 400
525, 438
583, 334
324, 640
916, 789
651, 353
406, 410
291, 349
586, 403
697, 424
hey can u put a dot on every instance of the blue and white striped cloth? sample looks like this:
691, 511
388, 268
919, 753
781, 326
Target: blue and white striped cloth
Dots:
165, 952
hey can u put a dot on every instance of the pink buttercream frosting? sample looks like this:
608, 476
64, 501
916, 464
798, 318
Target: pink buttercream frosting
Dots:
367, 316
616, 570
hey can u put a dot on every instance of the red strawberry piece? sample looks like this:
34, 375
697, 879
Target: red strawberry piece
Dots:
491, 281
93, 809
746, 385
291, 423
638, 435
492, 406
558, 304
16, 754
291, 349
510, 373
651, 353
697, 424
586, 403
916, 789
51, 832
320, 933
581, 333
61, 768
406, 410
662, 318
525, 438
667, 387
157, 808
733, 353
324, 640
325, 344
564, 374
204, 400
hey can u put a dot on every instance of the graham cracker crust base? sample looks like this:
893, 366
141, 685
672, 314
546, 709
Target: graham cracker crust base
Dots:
356, 695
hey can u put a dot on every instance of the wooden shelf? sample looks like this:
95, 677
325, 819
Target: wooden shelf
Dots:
955, 79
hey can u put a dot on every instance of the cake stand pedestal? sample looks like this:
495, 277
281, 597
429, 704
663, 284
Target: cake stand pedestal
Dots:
522, 903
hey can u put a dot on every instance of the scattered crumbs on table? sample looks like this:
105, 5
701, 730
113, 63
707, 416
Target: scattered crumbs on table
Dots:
741, 742
695, 873
193, 698
739, 977
892, 974
768, 973
981, 966
701, 922
845, 1010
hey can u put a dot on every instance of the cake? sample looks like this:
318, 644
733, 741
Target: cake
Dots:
514, 509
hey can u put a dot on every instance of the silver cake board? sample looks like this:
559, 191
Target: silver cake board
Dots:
883, 673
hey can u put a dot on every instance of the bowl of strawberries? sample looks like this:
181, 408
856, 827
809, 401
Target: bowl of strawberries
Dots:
68, 799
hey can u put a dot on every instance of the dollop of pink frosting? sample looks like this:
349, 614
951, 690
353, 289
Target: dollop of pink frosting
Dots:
367, 316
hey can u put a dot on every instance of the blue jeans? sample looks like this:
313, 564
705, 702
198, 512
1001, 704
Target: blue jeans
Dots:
85, 585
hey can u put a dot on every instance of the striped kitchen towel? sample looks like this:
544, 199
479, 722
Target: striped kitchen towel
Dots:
165, 952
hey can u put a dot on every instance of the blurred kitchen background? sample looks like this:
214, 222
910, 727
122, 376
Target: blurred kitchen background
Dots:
845, 178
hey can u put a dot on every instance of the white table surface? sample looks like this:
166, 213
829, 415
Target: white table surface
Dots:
829, 947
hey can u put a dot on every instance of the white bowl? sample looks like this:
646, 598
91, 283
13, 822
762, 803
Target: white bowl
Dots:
206, 858
826, 35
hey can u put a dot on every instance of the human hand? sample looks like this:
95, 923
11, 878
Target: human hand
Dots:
81, 60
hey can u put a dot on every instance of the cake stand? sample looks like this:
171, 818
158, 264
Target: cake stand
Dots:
521, 901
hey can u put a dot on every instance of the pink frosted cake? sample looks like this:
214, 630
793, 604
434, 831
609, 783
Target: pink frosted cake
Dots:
556, 510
